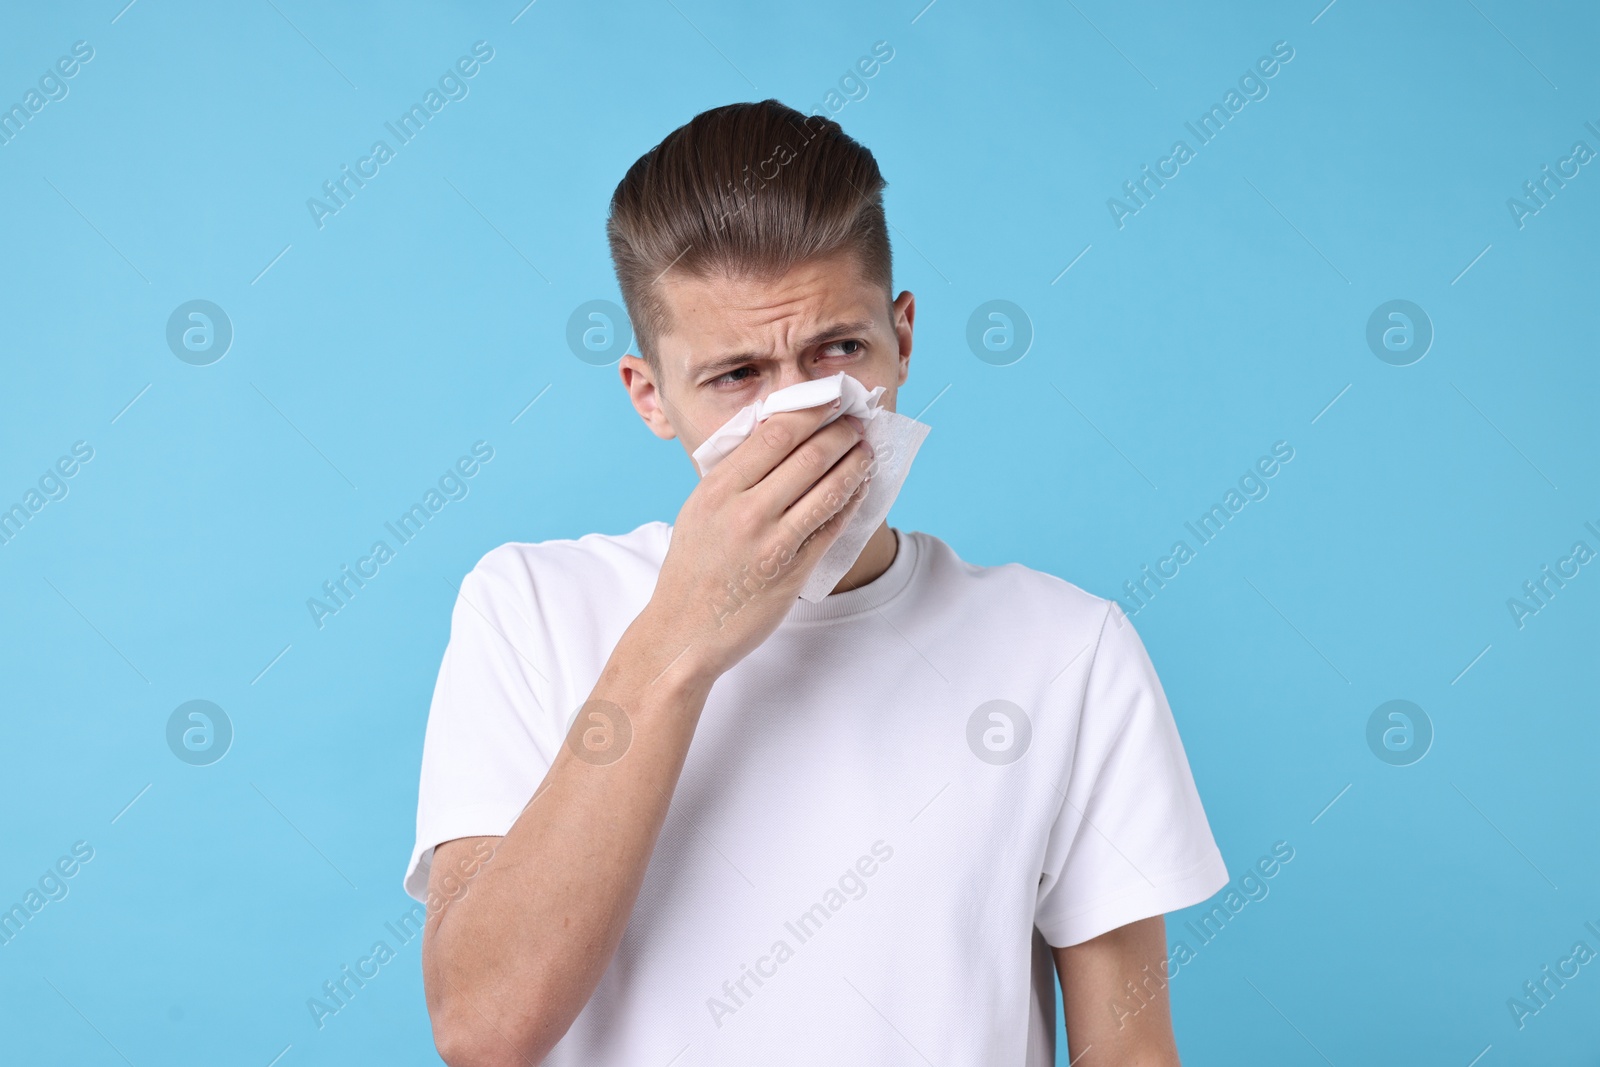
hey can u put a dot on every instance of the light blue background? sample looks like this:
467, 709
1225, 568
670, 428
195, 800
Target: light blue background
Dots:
1223, 317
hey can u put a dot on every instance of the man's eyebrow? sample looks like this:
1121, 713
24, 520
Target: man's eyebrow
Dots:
837, 331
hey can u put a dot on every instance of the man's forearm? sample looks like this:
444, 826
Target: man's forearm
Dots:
511, 962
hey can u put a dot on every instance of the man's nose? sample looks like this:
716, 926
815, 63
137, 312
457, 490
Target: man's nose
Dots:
794, 376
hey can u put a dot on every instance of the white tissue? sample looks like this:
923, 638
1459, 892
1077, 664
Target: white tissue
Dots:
894, 438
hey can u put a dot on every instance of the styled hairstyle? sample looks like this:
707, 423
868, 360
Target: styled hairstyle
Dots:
743, 190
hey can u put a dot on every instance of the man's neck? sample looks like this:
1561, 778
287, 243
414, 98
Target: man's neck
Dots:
875, 558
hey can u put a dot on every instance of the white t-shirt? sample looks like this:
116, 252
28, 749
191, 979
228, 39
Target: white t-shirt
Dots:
865, 859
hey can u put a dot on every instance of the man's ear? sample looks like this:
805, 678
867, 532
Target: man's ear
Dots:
638, 379
905, 311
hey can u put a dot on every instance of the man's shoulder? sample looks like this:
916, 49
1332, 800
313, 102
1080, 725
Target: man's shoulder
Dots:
593, 564
1014, 589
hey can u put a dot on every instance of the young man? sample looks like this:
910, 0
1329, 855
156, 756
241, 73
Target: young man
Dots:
653, 830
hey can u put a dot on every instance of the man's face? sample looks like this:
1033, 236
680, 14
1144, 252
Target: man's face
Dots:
732, 341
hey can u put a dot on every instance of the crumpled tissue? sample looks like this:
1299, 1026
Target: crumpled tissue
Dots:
895, 439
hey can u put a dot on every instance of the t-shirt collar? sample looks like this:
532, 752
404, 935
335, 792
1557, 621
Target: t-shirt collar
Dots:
866, 598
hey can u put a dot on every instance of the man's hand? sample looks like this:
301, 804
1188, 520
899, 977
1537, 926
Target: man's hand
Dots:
1109, 1025
753, 530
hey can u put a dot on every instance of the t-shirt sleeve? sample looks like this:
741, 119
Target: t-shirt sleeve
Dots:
491, 735
1131, 839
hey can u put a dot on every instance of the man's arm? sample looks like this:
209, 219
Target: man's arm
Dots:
511, 958
1108, 1025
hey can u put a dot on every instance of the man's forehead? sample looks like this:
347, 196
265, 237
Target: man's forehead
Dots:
749, 301
721, 319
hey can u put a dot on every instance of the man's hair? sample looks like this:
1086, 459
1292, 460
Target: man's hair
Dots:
743, 190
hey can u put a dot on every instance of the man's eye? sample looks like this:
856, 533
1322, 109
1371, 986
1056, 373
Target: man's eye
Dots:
729, 379
738, 377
